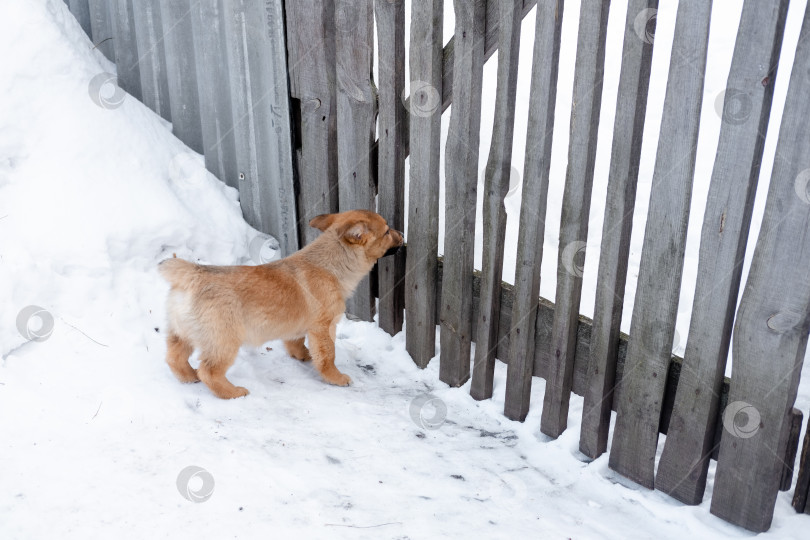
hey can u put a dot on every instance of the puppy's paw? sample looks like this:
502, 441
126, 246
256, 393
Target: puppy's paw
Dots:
189, 377
341, 379
237, 392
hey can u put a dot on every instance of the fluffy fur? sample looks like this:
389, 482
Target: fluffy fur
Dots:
216, 309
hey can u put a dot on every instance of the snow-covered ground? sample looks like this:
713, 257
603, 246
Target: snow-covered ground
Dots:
97, 439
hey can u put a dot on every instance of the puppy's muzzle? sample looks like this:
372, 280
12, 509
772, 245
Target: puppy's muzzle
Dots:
395, 249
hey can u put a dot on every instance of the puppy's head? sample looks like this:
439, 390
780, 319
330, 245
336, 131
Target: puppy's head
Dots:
362, 231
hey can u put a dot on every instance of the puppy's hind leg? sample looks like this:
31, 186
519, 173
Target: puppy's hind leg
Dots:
213, 365
177, 352
297, 349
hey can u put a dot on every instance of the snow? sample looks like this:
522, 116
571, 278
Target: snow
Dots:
98, 436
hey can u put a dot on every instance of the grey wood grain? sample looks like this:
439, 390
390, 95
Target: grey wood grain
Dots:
461, 184
628, 129
213, 85
423, 210
181, 72
585, 110
311, 60
791, 450
802, 492
356, 113
659, 280
152, 56
496, 185
81, 10
261, 113
772, 324
523, 315
391, 157
126, 47
684, 463
101, 28
490, 46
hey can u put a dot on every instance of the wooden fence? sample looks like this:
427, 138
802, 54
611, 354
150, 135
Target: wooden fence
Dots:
337, 139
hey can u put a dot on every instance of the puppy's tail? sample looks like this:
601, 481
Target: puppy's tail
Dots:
178, 272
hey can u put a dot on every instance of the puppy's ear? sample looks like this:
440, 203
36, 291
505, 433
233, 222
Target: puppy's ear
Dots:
322, 222
356, 233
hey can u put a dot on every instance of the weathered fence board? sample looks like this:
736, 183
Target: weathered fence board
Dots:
684, 463
524, 312
152, 56
181, 72
81, 10
461, 184
585, 110
497, 175
126, 47
311, 37
628, 129
802, 492
101, 29
356, 115
423, 211
659, 280
792, 448
391, 155
261, 114
490, 46
213, 86
772, 325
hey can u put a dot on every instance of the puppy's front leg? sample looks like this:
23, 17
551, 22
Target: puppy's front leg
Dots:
322, 344
297, 349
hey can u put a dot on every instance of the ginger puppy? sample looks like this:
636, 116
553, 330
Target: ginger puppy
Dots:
216, 309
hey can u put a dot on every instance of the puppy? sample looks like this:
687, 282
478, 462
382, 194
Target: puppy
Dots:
216, 309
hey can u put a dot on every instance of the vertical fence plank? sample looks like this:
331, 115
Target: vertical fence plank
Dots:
311, 34
498, 171
81, 10
213, 86
461, 183
181, 72
587, 101
356, 110
684, 463
126, 47
261, 115
101, 28
772, 325
391, 151
802, 492
792, 449
152, 56
543, 96
425, 116
628, 129
659, 281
